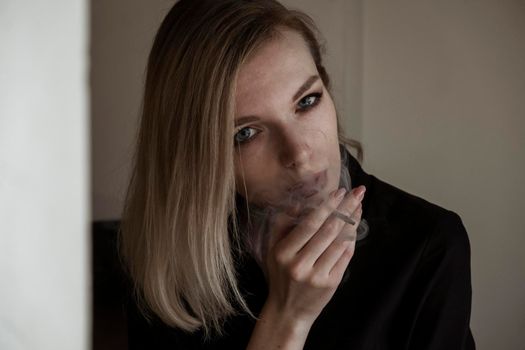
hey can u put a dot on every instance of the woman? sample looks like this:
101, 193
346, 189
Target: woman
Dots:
238, 231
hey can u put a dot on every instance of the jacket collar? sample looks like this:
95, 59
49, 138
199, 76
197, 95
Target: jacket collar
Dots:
376, 202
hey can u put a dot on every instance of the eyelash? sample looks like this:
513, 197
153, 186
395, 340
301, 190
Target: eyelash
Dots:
316, 95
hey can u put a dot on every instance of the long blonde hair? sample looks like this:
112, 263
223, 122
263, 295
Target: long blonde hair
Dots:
174, 237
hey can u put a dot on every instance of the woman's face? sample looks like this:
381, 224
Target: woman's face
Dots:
285, 126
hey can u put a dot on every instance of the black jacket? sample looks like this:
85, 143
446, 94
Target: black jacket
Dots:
408, 285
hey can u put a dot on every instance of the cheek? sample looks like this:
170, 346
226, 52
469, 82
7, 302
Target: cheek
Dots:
330, 146
251, 176
330, 116
241, 177
261, 182
325, 121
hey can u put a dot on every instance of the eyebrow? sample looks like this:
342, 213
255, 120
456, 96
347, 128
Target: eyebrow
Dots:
245, 120
306, 85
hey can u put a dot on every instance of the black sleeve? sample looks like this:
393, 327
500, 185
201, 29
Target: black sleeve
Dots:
442, 284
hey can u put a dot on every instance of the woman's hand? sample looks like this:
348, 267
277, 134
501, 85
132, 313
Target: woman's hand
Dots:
306, 263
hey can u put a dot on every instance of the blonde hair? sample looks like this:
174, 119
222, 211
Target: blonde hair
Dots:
175, 239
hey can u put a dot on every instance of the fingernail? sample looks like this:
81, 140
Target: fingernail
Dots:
340, 193
360, 192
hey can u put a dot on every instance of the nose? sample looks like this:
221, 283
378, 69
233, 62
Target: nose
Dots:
294, 148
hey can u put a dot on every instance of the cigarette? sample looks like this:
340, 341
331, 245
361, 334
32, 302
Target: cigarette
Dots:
343, 217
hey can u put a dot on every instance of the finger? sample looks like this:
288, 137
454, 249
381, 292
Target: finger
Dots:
333, 227
312, 221
341, 265
331, 256
349, 232
351, 203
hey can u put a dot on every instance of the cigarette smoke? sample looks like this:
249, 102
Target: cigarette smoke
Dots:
256, 224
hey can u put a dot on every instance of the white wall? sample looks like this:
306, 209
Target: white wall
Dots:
444, 118
43, 176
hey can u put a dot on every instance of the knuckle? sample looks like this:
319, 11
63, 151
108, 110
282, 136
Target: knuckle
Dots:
341, 244
317, 281
296, 271
309, 224
330, 225
349, 252
352, 206
280, 255
352, 202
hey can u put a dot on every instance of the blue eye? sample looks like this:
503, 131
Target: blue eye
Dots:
309, 101
245, 134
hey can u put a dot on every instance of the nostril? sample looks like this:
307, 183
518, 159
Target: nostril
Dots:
296, 157
293, 148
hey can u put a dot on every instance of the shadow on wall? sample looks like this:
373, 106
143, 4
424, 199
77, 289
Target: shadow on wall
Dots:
110, 289
121, 34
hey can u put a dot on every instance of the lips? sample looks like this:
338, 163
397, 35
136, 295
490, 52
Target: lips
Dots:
309, 186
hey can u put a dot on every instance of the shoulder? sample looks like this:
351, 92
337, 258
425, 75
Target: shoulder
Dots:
411, 217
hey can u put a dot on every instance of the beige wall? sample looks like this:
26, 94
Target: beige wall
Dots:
444, 118
434, 90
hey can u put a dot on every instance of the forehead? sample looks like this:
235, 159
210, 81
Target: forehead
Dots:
279, 66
